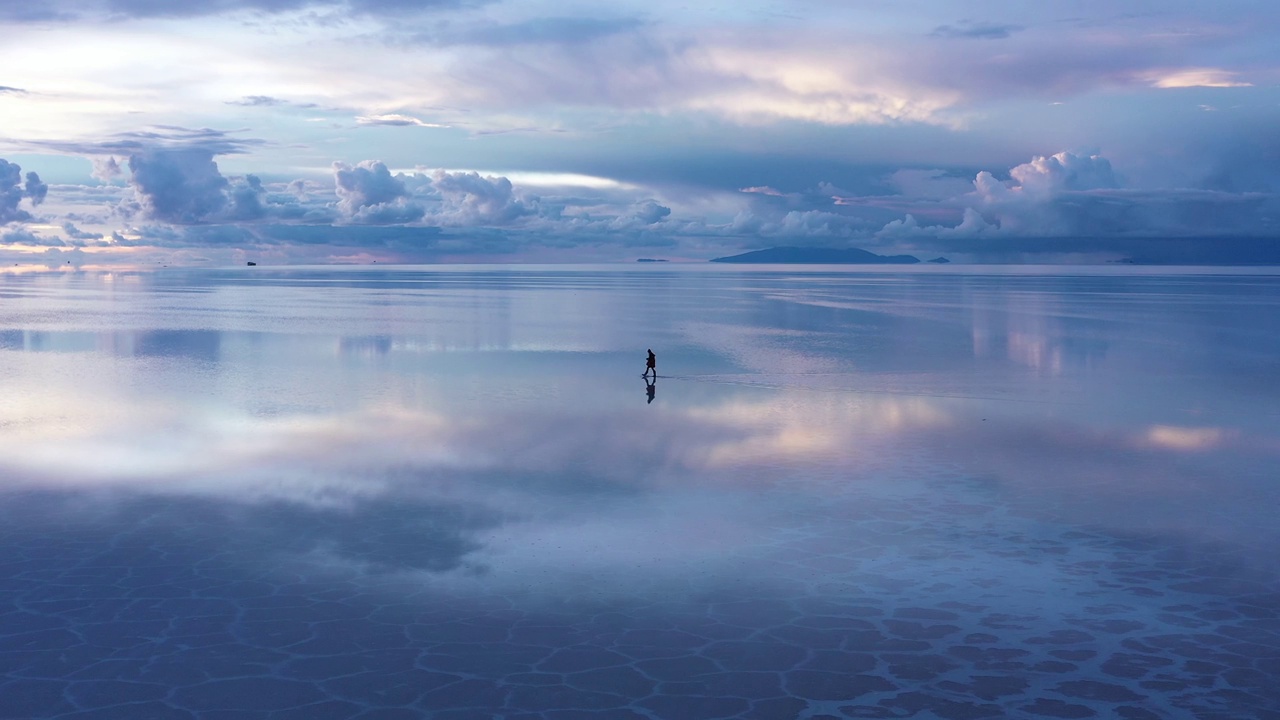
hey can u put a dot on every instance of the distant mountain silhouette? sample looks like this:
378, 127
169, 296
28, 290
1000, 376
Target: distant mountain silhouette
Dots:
818, 256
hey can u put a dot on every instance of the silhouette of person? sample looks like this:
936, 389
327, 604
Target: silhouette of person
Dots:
651, 363
650, 388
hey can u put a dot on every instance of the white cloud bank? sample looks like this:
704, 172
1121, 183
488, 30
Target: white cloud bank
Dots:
1074, 195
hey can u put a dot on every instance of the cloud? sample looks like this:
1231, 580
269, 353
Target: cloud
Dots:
756, 75
1047, 176
819, 226
6, 90
246, 198
469, 199
24, 236
1050, 195
106, 168
117, 10
650, 212
35, 189
369, 194
256, 101
971, 225
396, 120
762, 190
178, 186
535, 31
12, 192
174, 175
1080, 198
159, 137
1194, 77
966, 29
76, 233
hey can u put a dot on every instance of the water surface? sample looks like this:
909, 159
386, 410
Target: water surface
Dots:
446, 492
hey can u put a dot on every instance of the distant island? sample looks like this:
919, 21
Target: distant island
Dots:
651, 260
818, 256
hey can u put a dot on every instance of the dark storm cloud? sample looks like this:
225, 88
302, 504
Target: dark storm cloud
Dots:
975, 30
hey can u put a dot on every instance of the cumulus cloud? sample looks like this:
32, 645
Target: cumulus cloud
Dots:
816, 226
1050, 195
369, 194
1045, 177
35, 188
106, 168
174, 176
646, 217
1069, 195
650, 212
178, 185
972, 224
13, 190
246, 198
467, 198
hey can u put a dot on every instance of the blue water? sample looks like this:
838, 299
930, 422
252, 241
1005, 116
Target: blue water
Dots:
448, 493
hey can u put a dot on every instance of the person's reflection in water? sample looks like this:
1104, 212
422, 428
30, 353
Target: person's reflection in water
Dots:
650, 388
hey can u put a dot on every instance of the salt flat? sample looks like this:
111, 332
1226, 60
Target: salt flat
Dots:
446, 492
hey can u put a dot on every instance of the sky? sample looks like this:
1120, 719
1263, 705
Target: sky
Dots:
143, 132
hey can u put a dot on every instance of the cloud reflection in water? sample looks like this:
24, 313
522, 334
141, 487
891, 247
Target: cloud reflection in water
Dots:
509, 458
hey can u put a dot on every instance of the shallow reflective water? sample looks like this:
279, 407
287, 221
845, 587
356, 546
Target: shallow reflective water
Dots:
447, 492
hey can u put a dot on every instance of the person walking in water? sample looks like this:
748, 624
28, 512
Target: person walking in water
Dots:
651, 364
